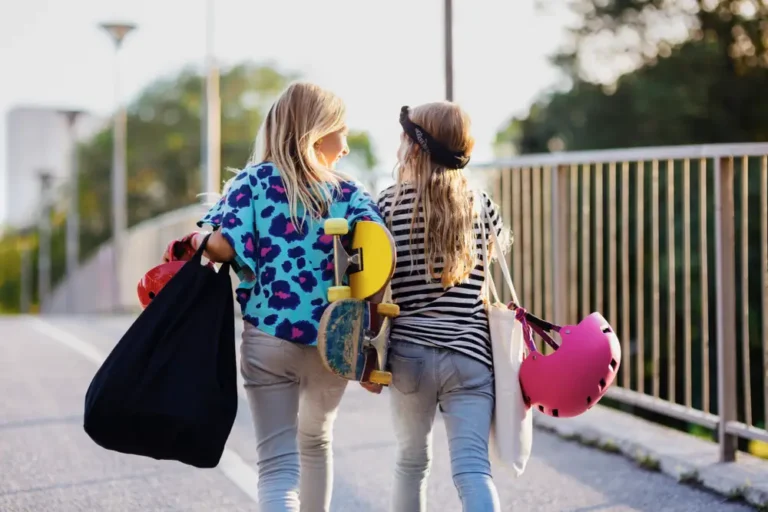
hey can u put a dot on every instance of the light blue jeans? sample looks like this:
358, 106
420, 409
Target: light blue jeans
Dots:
294, 401
424, 378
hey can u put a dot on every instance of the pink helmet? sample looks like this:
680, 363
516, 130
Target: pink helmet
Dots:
575, 377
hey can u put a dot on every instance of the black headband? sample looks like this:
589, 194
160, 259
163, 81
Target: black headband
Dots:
438, 153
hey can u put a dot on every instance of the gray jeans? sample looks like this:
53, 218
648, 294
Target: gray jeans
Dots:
294, 401
424, 378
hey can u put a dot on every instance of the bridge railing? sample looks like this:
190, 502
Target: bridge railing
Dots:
671, 245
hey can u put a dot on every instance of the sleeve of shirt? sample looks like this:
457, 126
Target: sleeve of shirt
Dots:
363, 207
235, 216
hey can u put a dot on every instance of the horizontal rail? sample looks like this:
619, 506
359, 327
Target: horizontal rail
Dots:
752, 149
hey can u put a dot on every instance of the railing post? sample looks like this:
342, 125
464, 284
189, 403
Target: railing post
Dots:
725, 283
559, 256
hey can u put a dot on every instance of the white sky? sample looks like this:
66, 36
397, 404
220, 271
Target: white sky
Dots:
378, 56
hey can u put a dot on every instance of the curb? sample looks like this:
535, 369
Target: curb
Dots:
686, 458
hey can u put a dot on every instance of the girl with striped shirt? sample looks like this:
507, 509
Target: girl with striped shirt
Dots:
440, 351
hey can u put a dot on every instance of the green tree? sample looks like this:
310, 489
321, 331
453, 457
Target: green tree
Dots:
702, 83
163, 159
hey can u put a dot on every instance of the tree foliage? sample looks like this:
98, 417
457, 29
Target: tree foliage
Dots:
164, 151
697, 74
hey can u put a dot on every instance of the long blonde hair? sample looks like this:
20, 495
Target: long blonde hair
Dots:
449, 237
302, 115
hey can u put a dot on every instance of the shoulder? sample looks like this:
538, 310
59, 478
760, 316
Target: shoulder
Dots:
387, 193
251, 176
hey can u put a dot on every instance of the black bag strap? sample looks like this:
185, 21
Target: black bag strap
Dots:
198, 257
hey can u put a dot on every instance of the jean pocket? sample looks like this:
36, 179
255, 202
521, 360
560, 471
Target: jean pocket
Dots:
470, 372
406, 373
263, 362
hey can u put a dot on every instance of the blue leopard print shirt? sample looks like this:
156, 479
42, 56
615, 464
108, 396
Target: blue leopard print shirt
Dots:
284, 273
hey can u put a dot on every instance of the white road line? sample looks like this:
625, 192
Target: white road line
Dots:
231, 464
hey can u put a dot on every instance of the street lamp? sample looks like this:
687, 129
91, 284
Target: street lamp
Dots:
118, 31
44, 229
448, 49
212, 181
73, 214
25, 298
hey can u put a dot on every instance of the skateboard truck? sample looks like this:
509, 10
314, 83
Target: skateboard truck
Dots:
343, 262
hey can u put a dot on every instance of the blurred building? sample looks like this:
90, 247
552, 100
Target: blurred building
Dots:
37, 140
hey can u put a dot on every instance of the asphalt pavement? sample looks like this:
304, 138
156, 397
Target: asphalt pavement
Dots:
48, 463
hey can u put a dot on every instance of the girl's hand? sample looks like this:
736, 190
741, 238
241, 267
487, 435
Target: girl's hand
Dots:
183, 248
371, 387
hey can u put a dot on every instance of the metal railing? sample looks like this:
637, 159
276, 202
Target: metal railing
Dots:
688, 297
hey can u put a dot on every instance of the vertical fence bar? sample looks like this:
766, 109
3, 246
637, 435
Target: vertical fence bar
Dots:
547, 235
764, 276
704, 286
506, 216
527, 240
496, 197
585, 240
517, 230
573, 271
671, 274
538, 257
640, 280
725, 282
687, 322
655, 279
559, 234
625, 327
747, 383
612, 234
599, 239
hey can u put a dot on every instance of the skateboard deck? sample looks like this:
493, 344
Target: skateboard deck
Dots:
353, 336
348, 345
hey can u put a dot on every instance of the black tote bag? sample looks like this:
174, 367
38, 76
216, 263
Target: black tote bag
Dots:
168, 390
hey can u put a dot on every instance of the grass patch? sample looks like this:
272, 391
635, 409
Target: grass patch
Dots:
690, 478
609, 447
648, 463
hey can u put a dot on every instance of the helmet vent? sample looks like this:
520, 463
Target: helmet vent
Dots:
151, 295
607, 329
613, 364
589, 400
602, 384
555, 413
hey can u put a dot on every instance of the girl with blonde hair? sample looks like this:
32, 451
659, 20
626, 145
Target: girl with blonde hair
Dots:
269, 224
440, 353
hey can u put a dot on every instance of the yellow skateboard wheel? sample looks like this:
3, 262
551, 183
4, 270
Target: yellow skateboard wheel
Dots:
336, 227
380, 377
387, 309
336, 293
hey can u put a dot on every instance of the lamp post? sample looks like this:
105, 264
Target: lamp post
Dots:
212, 181
448, 49
25, 298
44, 229
118, 31
73, 213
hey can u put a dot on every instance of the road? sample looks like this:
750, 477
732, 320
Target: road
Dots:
47, 462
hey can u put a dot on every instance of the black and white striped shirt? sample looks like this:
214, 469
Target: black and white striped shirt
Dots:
452, 318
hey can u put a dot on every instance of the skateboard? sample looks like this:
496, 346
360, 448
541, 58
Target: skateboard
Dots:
353, 334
